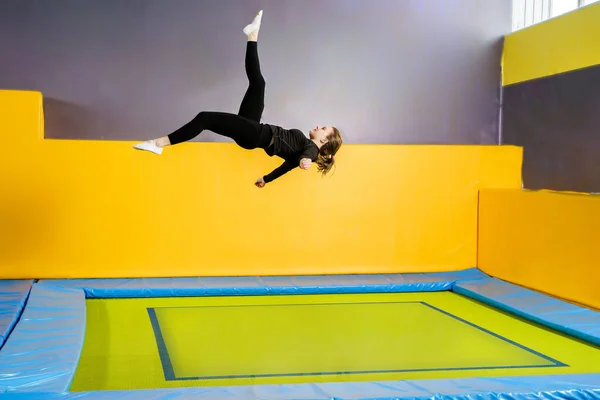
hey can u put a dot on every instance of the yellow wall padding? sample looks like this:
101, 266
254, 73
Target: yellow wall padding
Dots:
101, 209
565, 43
547, 241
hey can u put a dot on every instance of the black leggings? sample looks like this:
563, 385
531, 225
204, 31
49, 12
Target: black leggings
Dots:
244, 127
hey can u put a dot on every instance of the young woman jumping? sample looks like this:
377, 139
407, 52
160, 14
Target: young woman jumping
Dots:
249, 133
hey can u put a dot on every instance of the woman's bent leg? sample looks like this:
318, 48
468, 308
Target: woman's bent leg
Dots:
245, 132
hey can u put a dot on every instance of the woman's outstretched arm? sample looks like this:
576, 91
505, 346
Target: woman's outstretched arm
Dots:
284, 168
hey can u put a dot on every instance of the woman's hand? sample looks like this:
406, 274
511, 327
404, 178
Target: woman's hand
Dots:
260, 182
305, 163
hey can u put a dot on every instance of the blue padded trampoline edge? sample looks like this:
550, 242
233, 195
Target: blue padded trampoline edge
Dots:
567, 318
52, 327
13, 297
577, 387
267, 285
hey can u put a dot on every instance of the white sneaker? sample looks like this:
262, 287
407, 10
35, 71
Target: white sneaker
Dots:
149, 145
255, 25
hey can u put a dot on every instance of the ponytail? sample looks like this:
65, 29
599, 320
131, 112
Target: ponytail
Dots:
326, 158
325, 163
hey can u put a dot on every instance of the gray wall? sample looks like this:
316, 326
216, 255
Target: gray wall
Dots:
384, 71
556, 119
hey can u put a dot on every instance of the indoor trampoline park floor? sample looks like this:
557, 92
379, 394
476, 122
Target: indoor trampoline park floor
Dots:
170, 342
442, 335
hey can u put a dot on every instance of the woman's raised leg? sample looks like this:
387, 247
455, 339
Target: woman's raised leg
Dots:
253, 102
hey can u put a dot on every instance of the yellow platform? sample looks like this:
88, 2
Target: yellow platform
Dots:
173, 342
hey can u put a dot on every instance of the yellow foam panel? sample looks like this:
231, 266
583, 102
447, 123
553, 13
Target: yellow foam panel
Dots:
547, 241
566, 43
102, 209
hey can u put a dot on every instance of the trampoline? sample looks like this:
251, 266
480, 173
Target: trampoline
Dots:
172, 342
347, 337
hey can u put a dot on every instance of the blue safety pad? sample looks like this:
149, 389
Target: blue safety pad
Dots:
13, 294
575, 387
564, 317
267, 285
43, 350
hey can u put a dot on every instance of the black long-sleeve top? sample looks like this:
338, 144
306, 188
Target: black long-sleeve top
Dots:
291, 145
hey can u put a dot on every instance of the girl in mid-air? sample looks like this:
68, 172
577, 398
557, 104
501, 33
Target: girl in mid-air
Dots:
249, 133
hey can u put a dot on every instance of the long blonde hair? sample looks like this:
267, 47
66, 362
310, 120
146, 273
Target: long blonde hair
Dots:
326, 158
